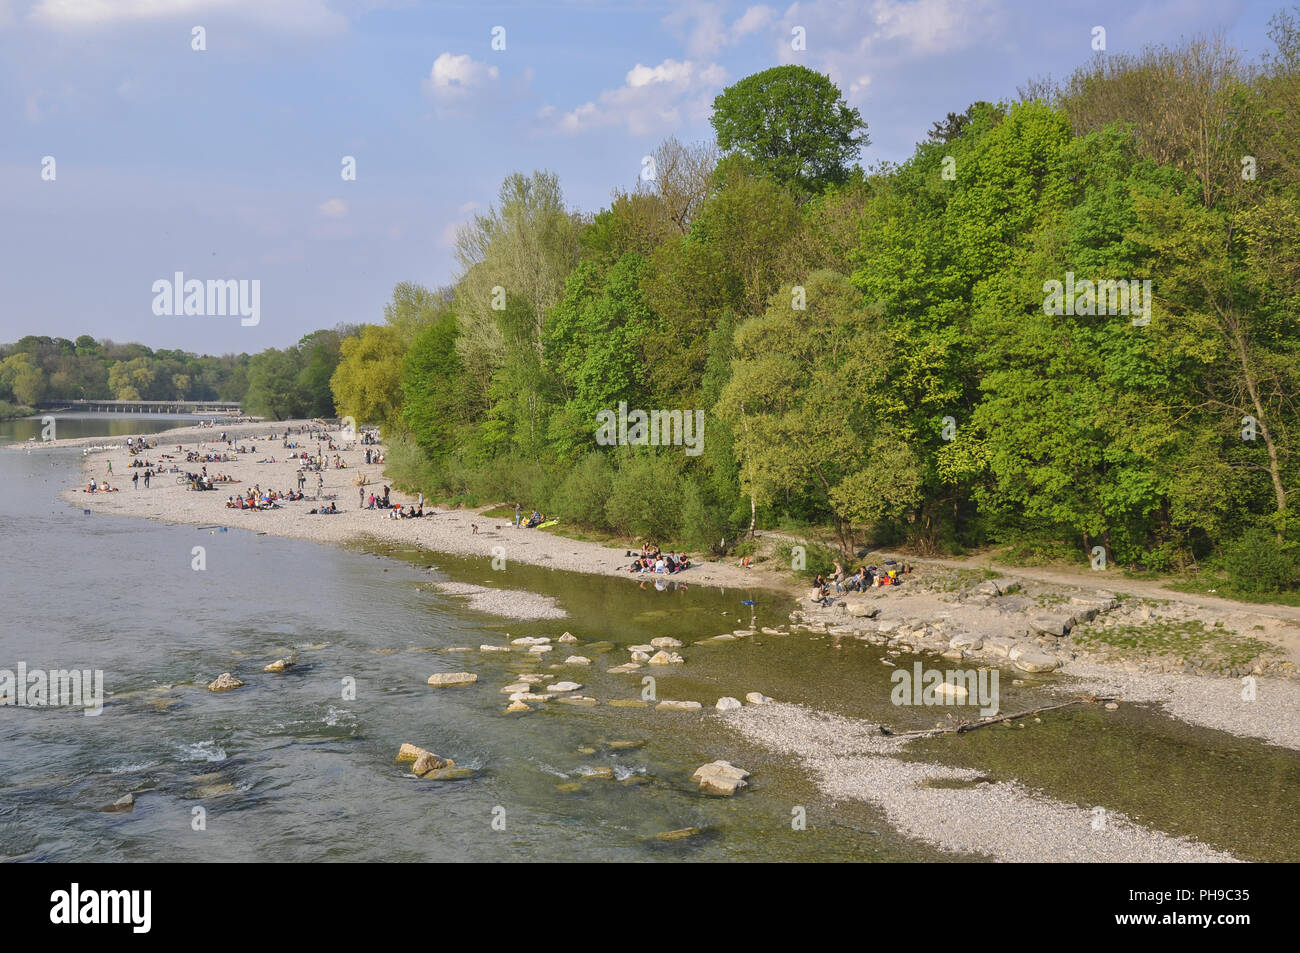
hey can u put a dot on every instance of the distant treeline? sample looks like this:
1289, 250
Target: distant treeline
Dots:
890, 352
293, 382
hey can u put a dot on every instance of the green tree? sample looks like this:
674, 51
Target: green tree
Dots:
794, 123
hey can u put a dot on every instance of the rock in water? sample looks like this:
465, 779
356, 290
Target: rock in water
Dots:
678, 706
577, 660
125, 803
279, 665
680, 834
224, 683
727, 704
757, 698
720, 777
665, 643
563, 687
567, 638
666, 658
429, 762
517, 706
409, 752
452, 678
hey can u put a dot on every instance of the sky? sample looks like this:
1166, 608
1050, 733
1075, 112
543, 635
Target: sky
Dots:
209, 137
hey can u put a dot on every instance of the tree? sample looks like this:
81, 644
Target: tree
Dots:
793, 123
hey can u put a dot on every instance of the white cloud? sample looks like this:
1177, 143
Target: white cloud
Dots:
304, 16
843, 34
453, 77
652, 98
334, 208
703, 26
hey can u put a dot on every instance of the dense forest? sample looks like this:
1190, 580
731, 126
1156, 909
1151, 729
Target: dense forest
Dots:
293, 382
1068, 321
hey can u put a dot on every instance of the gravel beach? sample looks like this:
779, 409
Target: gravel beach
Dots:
445, 531
850, 760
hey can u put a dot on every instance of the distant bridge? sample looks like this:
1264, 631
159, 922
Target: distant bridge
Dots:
144, 406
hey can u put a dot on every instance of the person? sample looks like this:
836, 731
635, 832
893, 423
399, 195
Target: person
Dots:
110, 466
519, 512
147, 475
361, 496
135, 481
320, 484
837, 576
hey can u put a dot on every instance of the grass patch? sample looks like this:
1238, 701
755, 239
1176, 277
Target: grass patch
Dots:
1214, 648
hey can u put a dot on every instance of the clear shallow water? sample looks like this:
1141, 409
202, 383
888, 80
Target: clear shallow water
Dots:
286, 769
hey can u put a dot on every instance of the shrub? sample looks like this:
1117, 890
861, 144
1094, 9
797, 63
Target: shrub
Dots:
1258, 564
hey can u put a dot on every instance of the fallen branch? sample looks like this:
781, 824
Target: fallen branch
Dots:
965, 726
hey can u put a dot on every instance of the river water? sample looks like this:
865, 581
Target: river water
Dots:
288, 769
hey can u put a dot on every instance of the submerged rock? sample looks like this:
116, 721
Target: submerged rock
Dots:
628, 703
125, 803
494, 648
224, 683
680, 834
581, 701
448, 774
678, 706
720, 777
664, 642
452, 678
516, 687
577, 660
624, 668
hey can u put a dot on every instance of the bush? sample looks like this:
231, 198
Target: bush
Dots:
1257, 564
817, 558
584, 494
646, 499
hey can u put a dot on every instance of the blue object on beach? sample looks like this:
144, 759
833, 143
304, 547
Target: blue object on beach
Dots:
746, 602
224, 528
85, 512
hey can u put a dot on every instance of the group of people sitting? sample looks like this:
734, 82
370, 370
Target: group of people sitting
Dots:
259, 499
400, 512
652, 559
324, 510
867, 577
95, 487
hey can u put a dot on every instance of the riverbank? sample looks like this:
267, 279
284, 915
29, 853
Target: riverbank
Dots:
267, 464
944, 601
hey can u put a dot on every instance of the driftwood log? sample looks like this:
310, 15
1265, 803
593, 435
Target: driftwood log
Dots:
965, 726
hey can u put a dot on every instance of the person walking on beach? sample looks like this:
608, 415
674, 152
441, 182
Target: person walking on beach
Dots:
147, 474
361, 497
518, 514
135, 481
110, 466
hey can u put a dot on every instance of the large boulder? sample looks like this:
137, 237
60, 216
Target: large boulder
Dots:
1053, 625
861, 610
1031, 660
727, 703
1000, 645
409, 752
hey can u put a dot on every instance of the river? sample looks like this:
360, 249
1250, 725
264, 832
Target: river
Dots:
288, 769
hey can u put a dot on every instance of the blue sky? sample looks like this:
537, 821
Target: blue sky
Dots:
225, 162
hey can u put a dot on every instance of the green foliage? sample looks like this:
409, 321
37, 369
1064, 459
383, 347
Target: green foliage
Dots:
793, 123
1258, 564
